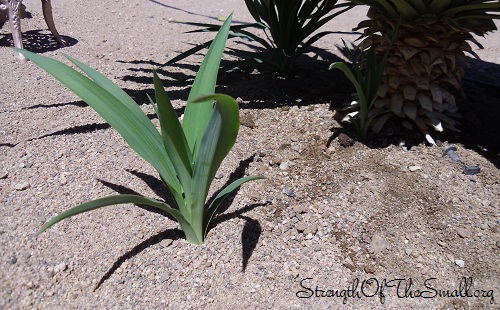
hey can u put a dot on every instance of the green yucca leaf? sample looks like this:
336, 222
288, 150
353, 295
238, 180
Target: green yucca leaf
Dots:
348, 73
223, 194
437, 6
405, 9
215, 145
121, 199
474, 8
196, 115
367, 83
289, 27
419, 6
175, 142
132, 125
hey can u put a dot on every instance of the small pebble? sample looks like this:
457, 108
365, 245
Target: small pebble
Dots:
284, 165
60, 267
296, 147
378, 244
26, 165
348, 263
288, 192
414, 168
370, 269
464, 233
13, 260
460, 263
247, 121
299, 209
306, 229
3, 175
345, 140
22, 186
442, 243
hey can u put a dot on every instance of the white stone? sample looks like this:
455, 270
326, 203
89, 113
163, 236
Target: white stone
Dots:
414, 168
460, 263
22, 186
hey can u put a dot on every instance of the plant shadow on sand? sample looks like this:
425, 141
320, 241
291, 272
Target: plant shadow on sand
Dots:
38, 41
312, 83
250, 234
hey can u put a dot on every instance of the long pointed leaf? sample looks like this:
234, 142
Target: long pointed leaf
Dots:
196, 115
220, 198
112, 88
217, 141
122, 199
348, 73
187, 53
141, 136
175, 143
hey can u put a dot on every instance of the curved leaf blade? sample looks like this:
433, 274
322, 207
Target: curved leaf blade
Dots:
122, 199
218, 139
209, 213
196, 116
140, 135
175, 143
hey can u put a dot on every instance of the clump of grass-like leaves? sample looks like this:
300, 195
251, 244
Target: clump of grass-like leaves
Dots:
185, 155
366, 81
289, 26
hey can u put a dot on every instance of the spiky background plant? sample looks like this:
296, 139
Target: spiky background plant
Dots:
425, 66
290, 27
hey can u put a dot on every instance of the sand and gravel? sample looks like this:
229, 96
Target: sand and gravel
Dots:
332, 219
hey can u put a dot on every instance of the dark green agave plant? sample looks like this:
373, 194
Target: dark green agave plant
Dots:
290, 27
186, 156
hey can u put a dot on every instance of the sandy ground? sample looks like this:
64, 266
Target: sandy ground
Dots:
390, 223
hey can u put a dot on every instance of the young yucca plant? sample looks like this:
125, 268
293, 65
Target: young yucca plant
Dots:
289, 26
425, 64
185, 155
366, 81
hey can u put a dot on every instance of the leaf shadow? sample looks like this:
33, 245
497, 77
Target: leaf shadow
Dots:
188, 12
78, 103
90, 127
173, 234
7, 144
310, 83
249, 239
181, 10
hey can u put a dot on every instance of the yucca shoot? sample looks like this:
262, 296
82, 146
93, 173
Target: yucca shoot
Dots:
425, 65
186, 156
